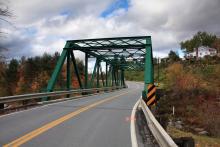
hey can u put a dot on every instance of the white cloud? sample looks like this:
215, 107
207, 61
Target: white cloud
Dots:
27, 11
168, 22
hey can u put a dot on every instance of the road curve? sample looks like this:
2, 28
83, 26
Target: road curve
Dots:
95, 121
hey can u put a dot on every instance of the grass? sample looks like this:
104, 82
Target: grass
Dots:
134, 75
200, 141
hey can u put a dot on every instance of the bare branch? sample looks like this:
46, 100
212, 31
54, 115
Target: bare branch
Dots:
5, 12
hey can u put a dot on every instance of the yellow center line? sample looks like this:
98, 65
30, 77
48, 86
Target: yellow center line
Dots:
54, 123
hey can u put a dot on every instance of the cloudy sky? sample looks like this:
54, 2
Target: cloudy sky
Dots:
43, 26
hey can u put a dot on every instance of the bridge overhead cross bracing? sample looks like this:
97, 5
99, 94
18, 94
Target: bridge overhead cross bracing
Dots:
108, 49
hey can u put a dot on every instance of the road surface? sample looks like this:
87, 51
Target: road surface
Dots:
101, 120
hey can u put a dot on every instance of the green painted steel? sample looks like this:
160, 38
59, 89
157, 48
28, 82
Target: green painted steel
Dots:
76, 69
119, 54
117, 77
55, 74
106, 74
113, 76
108, 43
97, 73
149, 70
57, 70
68, 75
107, 48
86, 70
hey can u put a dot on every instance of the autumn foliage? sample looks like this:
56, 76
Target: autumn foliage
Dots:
194, 90
28, 75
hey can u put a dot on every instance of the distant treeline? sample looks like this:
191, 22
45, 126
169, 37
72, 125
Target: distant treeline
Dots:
28, 75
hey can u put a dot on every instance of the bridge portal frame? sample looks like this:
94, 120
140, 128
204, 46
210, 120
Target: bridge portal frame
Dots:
118, 53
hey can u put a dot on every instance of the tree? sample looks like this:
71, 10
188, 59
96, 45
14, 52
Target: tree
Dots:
155, 60
199, 39
173, 57
12, 76
216, 44
4, 12
3, 83
80, 66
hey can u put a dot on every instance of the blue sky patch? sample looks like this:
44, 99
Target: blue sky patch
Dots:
65, 13
30, 31
180, 53
117, 4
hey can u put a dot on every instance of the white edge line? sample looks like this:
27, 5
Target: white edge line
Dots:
132, 126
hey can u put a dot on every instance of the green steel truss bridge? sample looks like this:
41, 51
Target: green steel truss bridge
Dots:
34, 127
118, 54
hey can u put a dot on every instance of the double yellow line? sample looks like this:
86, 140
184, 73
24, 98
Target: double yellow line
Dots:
54, 123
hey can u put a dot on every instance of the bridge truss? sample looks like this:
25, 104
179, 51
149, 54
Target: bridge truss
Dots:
118, 54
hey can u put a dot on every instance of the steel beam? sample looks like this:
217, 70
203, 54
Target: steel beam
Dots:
86, 70
76, 69
106, 74
68, 75
97, 75
103, 83
56, 72
149, 69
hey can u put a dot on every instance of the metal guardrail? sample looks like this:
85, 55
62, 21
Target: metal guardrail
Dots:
9, 99
161, 136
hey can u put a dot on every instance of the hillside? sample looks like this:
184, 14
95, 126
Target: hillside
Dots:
193, 89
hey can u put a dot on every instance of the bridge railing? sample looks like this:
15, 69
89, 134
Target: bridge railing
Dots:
161, 136
35, 96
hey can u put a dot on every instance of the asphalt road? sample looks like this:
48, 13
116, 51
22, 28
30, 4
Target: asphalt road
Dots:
95, 121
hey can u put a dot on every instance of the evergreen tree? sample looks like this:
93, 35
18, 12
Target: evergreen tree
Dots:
199, 39
173, 57
12, 76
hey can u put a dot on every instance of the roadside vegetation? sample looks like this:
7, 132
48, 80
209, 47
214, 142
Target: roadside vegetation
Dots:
192, 88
